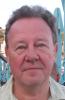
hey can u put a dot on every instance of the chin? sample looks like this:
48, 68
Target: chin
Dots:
32, 81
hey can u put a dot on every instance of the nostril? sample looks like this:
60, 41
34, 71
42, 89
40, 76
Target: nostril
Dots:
32, 59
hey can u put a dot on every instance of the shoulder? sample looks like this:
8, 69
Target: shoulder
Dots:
5, 90
57, 89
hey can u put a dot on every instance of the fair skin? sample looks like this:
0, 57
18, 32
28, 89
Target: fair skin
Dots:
31, 54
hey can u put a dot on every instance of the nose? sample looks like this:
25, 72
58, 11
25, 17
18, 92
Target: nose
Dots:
31, 56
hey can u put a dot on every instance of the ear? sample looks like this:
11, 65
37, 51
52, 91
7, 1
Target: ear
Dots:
7, 54
55, 49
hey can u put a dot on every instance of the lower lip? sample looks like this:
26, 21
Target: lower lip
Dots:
32, 72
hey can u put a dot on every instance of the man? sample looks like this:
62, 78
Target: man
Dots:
31, 47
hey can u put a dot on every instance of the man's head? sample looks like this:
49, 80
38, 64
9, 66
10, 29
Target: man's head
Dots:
29, 12
31, 37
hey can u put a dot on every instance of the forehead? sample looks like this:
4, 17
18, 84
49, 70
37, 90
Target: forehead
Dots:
31, 27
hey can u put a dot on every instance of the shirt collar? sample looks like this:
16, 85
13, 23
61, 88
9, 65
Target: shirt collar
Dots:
55, 90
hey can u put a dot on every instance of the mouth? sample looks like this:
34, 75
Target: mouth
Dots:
32, 69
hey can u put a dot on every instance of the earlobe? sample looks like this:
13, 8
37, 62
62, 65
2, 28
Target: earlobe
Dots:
56, 46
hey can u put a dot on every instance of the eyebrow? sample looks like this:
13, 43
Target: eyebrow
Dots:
21, 41
44, 40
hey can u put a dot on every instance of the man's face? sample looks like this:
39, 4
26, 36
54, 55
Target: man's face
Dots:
31, 52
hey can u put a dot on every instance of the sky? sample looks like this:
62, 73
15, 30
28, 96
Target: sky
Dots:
8, 6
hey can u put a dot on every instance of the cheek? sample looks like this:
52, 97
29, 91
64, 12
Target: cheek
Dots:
48, 61
15, 62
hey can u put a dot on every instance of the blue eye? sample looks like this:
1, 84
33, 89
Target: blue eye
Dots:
21, 47
41, 45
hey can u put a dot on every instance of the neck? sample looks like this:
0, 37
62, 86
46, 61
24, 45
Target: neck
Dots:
40, 93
